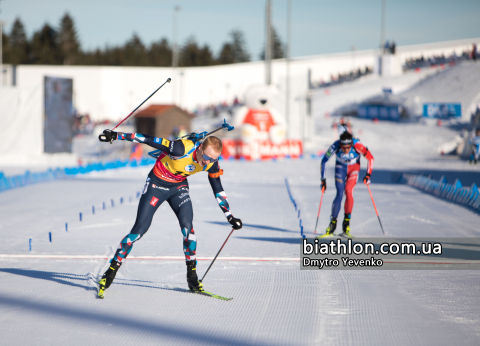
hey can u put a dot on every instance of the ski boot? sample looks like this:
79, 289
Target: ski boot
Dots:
346, 224
108, 277
333, 225
192, 279
331, 228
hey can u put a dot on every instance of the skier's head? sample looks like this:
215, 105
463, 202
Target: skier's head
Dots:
346, 141
209, 151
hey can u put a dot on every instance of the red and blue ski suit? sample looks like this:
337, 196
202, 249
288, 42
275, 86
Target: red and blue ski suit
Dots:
347, 169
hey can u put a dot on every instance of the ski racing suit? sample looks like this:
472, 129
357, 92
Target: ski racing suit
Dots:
347, 168
475, 143
167, 181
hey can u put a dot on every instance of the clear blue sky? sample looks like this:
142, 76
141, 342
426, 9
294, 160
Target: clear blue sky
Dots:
322, 26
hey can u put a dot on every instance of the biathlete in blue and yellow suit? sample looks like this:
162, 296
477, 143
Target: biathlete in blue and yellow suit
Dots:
347, 167
167, 181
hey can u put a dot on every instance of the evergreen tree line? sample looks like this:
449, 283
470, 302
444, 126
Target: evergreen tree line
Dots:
61, 46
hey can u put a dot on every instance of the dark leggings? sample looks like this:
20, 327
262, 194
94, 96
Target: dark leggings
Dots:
155, 192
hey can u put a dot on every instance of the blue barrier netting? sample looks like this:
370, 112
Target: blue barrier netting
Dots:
11, 182
296, 208
456, 192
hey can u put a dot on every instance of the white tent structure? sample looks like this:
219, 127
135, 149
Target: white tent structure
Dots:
21, 129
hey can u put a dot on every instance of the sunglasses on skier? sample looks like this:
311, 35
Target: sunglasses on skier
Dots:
208, 158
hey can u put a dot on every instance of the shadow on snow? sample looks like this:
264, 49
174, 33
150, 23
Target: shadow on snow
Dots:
255, 226
146, 327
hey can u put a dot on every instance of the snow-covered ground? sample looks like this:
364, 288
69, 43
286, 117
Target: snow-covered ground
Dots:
459, 84
48, 295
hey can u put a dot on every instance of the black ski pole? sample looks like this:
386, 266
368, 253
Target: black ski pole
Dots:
102, 137
233, 229
128, 116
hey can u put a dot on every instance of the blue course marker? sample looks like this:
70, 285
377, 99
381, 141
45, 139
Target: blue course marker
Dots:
80, 216
104, 205
50, 236
112, 203
93, 209
121, 200
30, 244
66, 227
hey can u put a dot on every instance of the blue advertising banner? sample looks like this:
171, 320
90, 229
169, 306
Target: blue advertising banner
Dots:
380, 112
442, 110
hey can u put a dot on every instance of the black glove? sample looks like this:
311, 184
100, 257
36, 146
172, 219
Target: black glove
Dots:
323, 185
236, 223
366, 180
107, 136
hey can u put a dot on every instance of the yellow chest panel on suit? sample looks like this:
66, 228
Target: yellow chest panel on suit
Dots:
183, 166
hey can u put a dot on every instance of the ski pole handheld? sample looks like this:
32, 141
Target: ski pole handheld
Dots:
103, 138
218, 253
319, 207
376, 211
128, 116
107, 136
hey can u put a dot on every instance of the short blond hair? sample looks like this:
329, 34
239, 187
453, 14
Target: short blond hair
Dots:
213, 142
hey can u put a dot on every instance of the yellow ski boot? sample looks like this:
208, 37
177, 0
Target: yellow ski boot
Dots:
192, 279
107, 278
330, 229
346, 225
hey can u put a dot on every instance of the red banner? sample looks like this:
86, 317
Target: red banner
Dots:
261, 150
